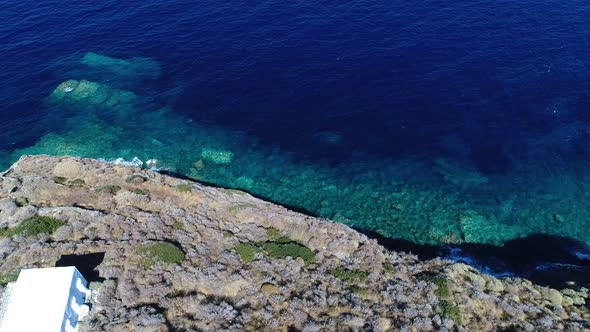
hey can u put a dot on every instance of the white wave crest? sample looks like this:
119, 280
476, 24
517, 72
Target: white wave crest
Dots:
152, 164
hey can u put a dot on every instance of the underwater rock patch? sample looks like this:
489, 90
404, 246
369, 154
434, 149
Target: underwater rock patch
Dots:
86, 93
458, 176
133, 67
217, 157
245, 182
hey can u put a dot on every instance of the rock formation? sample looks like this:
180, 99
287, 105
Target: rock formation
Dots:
86, 93
180, 256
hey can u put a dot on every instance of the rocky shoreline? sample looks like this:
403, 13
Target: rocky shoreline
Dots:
174, 255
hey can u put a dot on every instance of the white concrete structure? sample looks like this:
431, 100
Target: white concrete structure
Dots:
49, 299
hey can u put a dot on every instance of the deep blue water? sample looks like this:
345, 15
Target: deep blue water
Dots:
362, 96
392, 77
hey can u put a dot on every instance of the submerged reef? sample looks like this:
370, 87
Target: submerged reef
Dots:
84, 94
458, 176
169, 254
217, 157
133, 67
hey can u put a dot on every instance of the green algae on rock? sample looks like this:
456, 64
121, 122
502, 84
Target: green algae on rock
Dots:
161, 251
32, 226
185, 188
276, 247
349, 275
109, 188
9, 277
77, 182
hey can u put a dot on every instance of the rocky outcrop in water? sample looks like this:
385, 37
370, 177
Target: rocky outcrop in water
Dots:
90, 94
166, 254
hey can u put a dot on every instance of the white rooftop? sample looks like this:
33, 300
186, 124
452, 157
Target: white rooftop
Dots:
47, 299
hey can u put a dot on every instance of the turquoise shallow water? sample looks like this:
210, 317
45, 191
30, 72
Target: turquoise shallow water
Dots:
420, 199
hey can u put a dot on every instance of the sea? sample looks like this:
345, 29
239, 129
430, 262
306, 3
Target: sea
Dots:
458, 129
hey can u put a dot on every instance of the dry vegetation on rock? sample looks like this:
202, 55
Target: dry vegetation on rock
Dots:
182, 256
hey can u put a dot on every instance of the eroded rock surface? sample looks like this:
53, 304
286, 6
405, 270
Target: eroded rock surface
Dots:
182, 256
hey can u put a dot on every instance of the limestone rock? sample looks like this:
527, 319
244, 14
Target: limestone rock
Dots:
177, 255
269, 289
552, 296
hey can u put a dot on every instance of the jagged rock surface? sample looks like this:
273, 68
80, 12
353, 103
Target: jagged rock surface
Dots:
352, 284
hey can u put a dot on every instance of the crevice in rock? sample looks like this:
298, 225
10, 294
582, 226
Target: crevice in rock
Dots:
88, 208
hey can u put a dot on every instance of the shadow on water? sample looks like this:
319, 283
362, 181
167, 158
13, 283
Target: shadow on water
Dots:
546, 260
